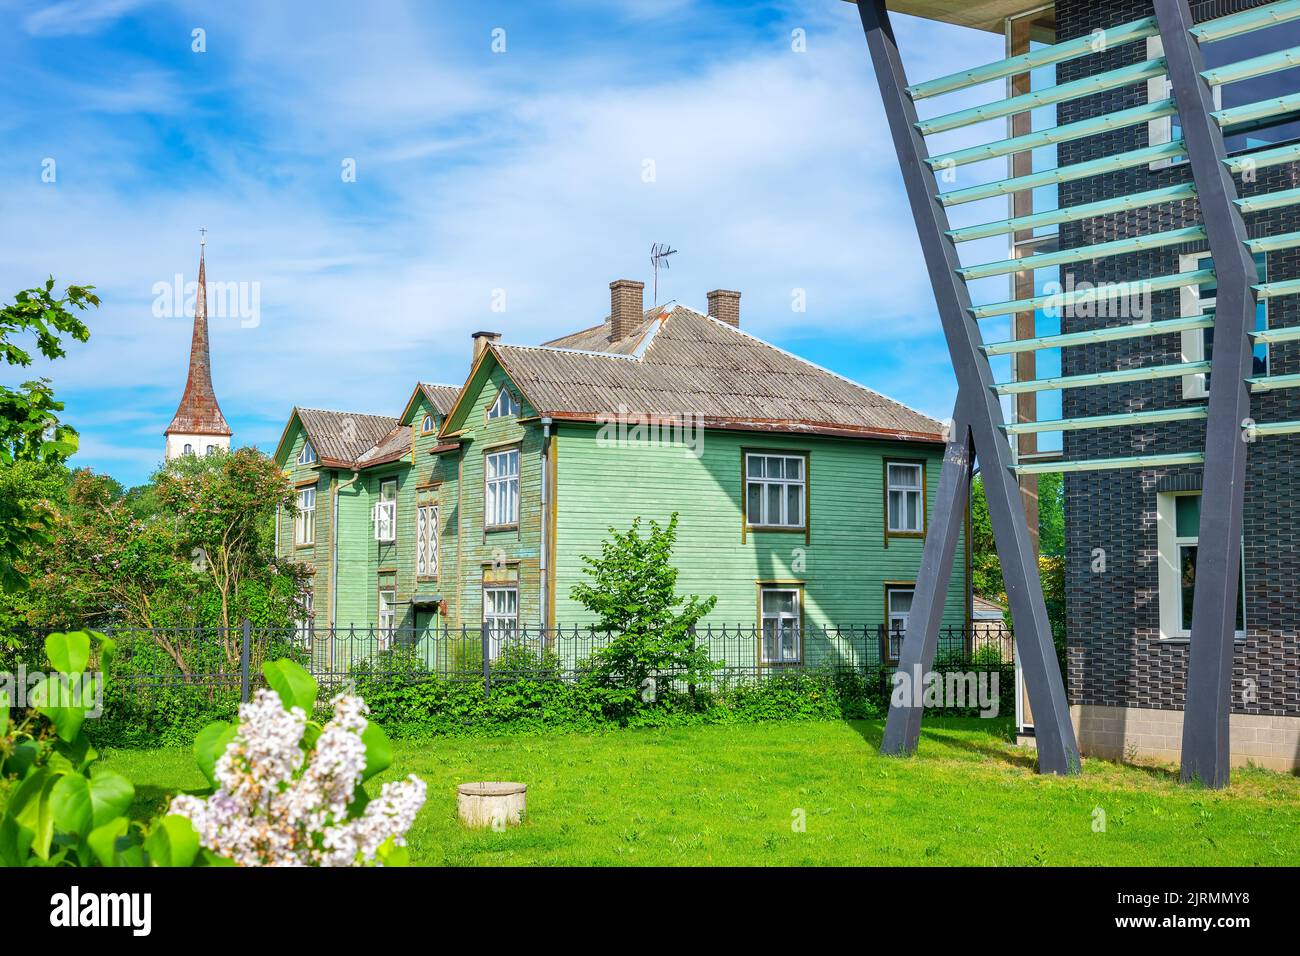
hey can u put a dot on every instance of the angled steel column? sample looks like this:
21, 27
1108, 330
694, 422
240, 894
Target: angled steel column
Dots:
903, 728
977, 404
1218, 552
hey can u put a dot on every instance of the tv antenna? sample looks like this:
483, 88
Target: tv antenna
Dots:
659, 254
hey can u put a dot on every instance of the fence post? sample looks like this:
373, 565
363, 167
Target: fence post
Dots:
245, 641
487, 660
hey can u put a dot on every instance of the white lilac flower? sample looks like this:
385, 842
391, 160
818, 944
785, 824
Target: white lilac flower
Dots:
279, 805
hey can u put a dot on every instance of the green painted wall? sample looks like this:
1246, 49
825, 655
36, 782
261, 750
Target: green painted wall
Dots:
844, 563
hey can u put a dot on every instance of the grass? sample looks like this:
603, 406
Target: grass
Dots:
735, 794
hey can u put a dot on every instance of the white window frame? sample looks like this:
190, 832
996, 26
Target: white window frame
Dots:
509, 408
307, 456
896, 621
426, 541
188, 449
501, 488
387, 615
1169, 546
763, 482
500, 614
304, 521
385, 513
781, 620
905, 490
304, 623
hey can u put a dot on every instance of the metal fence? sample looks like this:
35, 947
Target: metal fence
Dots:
220, 663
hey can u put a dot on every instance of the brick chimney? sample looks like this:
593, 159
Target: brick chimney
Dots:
482, 340
626, 307
724, 305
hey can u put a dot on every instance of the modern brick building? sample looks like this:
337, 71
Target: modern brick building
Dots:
1132, 530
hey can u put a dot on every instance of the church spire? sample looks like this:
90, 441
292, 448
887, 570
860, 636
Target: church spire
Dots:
199, 415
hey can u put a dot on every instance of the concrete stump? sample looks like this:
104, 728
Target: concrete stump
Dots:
491, 804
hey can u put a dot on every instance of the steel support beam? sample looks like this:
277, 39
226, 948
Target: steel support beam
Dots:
921, 639
977, 404
1218, 552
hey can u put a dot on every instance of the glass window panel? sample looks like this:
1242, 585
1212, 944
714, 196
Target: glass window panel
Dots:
776, 468
1187, 516
757, 467
754, 506
794, 504
773, 505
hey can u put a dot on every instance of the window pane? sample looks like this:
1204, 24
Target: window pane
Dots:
773, 505
794, 469
913, 511
794, 504
1187, 582
900, 602
895, 510
776, 468
754, 504
769, 640
905, 476
1187, 516
757, 466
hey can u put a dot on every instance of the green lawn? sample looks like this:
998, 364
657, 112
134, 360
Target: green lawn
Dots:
728, 795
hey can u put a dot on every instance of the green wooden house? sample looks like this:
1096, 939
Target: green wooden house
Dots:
802, 496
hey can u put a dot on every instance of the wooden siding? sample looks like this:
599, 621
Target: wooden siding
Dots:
843, 565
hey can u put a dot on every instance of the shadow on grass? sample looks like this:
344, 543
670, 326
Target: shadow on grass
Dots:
944, 731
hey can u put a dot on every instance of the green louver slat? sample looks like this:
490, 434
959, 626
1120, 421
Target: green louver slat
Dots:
1145, 374
1056, 134
1263, 109
1154, 417
1065, 174
1056, 53
1245, 22
1271, 383
1114, 333
1255, 66
1276, 428
1264, 158
1094, 293
1285, 240
1051, 217
1283, 197
1107, 464
1116, 247
1273, 290
1111, 79
1290, 334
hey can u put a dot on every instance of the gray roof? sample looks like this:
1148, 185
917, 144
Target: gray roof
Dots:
441, 397
679, 362
342, 437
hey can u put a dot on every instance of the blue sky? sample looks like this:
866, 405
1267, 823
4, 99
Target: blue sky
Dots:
482, 177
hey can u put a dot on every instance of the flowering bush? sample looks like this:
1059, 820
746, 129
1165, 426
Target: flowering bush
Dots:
288, 791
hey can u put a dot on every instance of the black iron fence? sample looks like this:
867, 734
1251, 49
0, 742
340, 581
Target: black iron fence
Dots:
225, 663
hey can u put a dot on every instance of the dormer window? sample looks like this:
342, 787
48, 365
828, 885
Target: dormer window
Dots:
308, 454
504, 407
426, 426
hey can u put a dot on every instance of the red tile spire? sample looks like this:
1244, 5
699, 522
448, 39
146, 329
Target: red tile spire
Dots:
199, 413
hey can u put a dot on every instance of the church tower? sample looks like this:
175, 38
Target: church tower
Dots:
198, 428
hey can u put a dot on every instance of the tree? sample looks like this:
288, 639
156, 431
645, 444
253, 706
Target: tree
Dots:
224, 505
633, 595
30, 430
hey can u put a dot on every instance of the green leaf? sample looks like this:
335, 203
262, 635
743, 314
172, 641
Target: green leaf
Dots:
208, 858
103, 840
379, 750
172, 842
69, 713
107, 651
390, 854
296, 687
110, 795
69, 653
210, 744
30, 809
70, 804
21, 759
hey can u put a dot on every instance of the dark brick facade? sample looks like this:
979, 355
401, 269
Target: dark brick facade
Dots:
1116, 655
